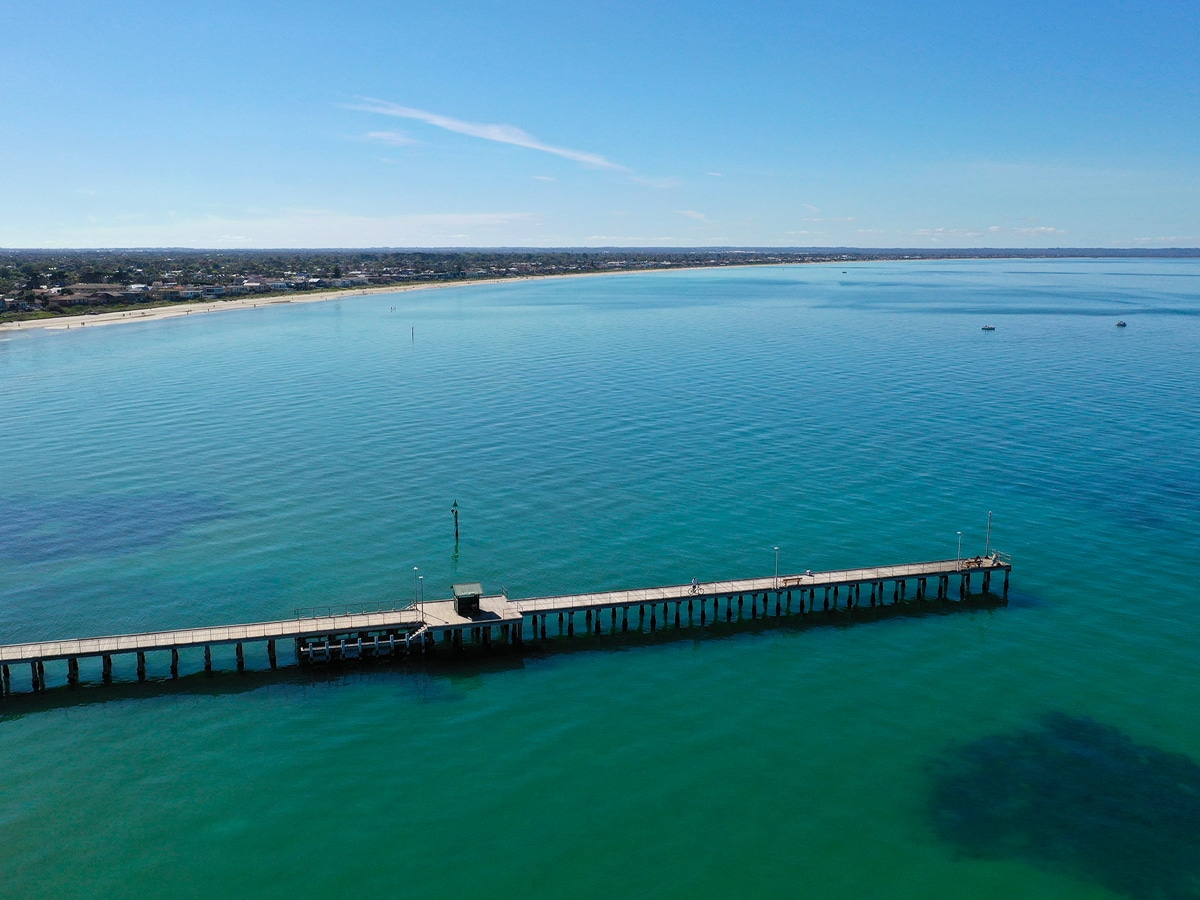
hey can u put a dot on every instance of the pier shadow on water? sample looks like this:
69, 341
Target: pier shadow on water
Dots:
1078, 797
445, 671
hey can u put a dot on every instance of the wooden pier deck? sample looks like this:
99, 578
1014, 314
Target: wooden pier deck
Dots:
417, 628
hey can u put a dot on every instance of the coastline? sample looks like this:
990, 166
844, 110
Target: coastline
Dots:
154, 313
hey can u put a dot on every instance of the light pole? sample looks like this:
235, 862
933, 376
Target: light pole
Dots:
958, 559
421, 591
416, 581
776, 568
987, 545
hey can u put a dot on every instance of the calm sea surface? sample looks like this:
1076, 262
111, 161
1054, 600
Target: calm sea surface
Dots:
614, 432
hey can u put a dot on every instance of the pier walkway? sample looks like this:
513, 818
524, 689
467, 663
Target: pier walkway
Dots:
418, 627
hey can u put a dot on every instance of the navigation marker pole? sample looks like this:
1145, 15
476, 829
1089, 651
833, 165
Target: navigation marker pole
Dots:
454, 509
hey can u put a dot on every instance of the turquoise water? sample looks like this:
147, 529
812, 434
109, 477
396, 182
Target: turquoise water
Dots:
616, 432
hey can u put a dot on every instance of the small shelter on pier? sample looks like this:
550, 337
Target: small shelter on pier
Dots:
466, 598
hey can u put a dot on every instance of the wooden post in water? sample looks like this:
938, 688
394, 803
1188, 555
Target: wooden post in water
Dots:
1005, 590
73, 671
174, 662
653, 617
703, 616
106, 668
141, 666
571, 624
208, 659
33, 677
241, 658
676, 614
624, 618
271, 651
6, 683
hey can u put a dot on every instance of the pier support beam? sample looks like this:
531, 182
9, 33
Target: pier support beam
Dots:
174, 662
571, 624
241, 657
624, 618
33, 677
271, 652
208, 659
106, 668
703, 616
676, 613
987, 581
1005, 587
653, 617
141, 666
588, 618
641, 617
6, 683
73, 671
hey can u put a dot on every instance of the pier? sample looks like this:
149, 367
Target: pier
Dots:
475, 618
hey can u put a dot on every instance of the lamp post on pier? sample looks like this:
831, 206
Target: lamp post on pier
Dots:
958, 559
416, 582
776, 568
987, 545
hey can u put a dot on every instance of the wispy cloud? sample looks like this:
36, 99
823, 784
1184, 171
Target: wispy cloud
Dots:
502, 134
692, 214
715, 175
543, 178
1035, 229
392, 138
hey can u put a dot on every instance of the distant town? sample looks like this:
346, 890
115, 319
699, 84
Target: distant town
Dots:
45, 283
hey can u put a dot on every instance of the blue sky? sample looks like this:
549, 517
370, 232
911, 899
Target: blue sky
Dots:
513, 123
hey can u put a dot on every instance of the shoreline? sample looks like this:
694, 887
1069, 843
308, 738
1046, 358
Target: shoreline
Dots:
156, 313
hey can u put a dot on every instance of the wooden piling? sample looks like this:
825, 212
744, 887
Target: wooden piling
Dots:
106, 668
271, 651
208, 659
174, 662
241, 657
73, 671
141, 666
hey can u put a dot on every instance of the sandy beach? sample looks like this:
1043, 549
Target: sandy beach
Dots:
64, 323
92, 320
